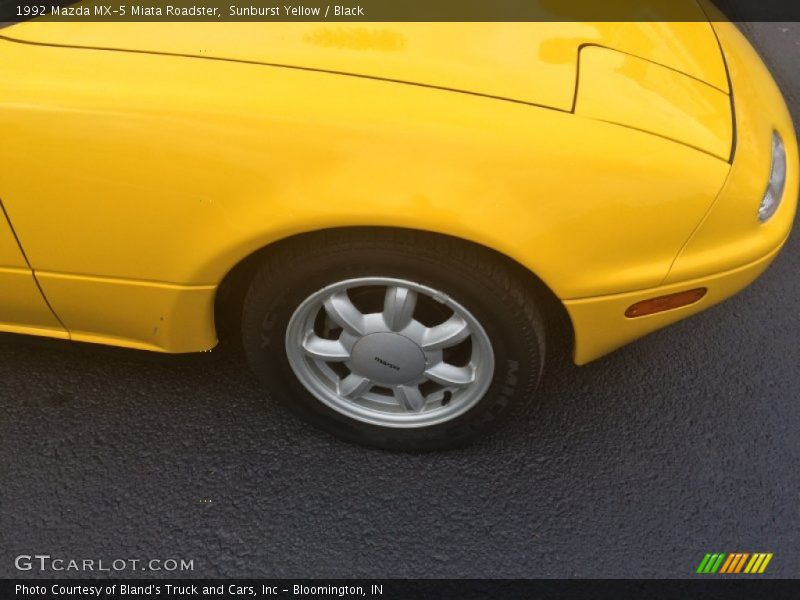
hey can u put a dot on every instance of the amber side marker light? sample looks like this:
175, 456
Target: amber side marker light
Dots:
662, 303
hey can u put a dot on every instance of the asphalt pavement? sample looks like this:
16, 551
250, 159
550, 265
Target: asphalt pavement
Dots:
683, 443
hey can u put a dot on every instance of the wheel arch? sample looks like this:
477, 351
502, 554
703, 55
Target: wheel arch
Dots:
233, 287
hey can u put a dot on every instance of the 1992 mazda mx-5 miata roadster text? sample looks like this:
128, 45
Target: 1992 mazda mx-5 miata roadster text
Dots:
391, 216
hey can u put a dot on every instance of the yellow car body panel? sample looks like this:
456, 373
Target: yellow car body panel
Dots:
22, 307
11, 256
634, 92
135, 314
138, 180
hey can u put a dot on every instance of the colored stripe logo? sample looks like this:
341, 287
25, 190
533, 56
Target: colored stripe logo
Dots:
734, 563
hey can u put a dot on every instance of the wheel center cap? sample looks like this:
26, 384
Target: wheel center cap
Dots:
388, 358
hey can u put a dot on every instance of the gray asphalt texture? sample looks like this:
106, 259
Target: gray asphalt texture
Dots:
683, 443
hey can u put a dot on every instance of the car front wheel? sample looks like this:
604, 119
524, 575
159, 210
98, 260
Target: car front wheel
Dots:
402, 341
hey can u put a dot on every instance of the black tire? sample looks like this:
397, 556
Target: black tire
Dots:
486, 285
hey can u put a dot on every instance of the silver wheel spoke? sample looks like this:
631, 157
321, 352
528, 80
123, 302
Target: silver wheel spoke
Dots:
354, 386
450, 375
344, 313
398, 307
449, 333
410, 397
327, 350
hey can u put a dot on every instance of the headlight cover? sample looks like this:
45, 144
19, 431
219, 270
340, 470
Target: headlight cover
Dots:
777, 180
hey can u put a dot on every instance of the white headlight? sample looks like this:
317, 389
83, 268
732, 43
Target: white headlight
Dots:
777, 179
